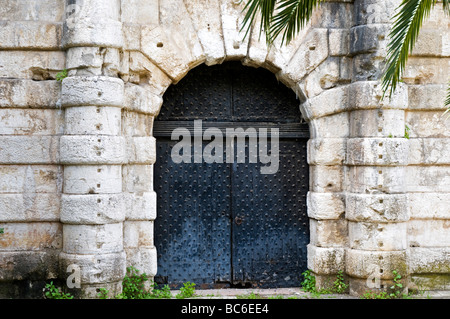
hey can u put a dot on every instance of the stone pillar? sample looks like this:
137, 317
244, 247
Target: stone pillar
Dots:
377, 155
92, 148
326, 109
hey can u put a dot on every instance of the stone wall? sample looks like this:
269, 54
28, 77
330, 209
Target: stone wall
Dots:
76, 156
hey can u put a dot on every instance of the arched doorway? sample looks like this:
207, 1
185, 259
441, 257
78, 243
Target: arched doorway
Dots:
231, 221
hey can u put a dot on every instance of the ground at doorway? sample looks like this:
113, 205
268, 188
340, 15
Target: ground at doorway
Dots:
289, 293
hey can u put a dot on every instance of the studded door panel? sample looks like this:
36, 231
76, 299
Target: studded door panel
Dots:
226, 224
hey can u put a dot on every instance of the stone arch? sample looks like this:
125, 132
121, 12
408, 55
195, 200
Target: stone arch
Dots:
336, 86
318, 74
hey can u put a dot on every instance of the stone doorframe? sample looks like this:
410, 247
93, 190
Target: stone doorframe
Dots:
119, 67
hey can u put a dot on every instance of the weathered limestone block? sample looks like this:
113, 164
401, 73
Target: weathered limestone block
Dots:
92, 179
335, 125
137, 178
22, 149
152, 75
374, 11
370, 264
172, 44
93, 239
137, 234
33, 10
325, 205
136, 124
377, 236
426, 70
430, 282
131, 36
328, 232
143, 259
95, 268
312, 52
257, 48
84, 57
31, 122
93, 23
329, 74
92, 120
161, 48
325, 179
141, 99
279, 55
30, 179
427, 178
339, 42
426, 124
139, 11
376, 179
29, 94
326, 151
329, 260
141, 206
370, 38
92, 209
377, 123
429, 205
30, 35
92, 91
90, 149
332, 101
434, 260
206, 17
368, 95
429, 151
141, 150
31, 265
368, 66
333, 14
428, 232
31, 236
29, 207
383, 208
232, 17
36, 65
426, 97
432, 42
377, 151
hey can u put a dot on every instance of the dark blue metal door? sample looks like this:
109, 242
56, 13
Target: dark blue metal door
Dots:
227, 224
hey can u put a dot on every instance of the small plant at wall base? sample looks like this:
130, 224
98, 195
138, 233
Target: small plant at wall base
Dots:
396, 291
309, 284
187, 291
51, 292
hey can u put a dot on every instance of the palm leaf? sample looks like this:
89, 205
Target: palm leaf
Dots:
447, 99
403, 36
446, 4
265, 8
291, 17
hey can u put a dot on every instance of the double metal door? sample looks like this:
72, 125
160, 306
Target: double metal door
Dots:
226, 224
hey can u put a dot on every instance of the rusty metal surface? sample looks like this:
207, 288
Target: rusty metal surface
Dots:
226, 224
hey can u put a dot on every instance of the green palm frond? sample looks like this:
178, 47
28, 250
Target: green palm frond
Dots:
292, 16
446, 4
279, 17
265, 9
403, 36
447, 99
